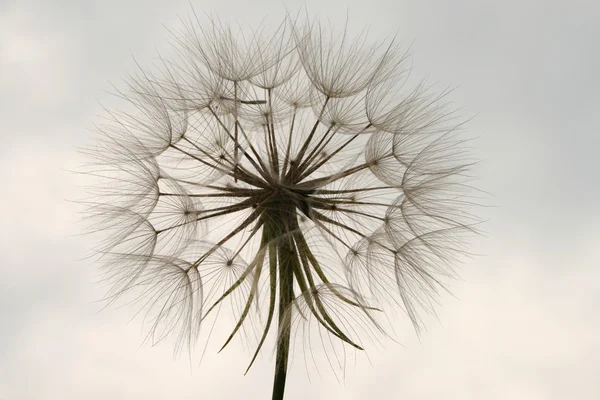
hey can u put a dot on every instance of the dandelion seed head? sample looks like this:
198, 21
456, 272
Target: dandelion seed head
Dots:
291, 175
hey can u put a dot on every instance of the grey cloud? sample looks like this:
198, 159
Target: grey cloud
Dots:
525, 323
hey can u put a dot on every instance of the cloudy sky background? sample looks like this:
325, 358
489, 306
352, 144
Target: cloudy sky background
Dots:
524, 322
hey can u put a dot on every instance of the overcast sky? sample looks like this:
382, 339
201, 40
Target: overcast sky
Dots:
524, 320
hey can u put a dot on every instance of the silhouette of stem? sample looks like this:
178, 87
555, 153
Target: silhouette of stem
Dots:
288, 261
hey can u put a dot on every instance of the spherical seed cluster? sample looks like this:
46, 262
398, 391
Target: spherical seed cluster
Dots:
291, 175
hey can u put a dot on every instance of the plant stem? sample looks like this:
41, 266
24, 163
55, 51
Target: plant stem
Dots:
283, 346
287, 259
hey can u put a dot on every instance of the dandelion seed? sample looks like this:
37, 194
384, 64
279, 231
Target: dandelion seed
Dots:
291, 176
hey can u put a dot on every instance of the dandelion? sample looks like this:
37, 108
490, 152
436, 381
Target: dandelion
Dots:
291, 175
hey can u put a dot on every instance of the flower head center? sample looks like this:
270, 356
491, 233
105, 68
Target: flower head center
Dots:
285, 200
